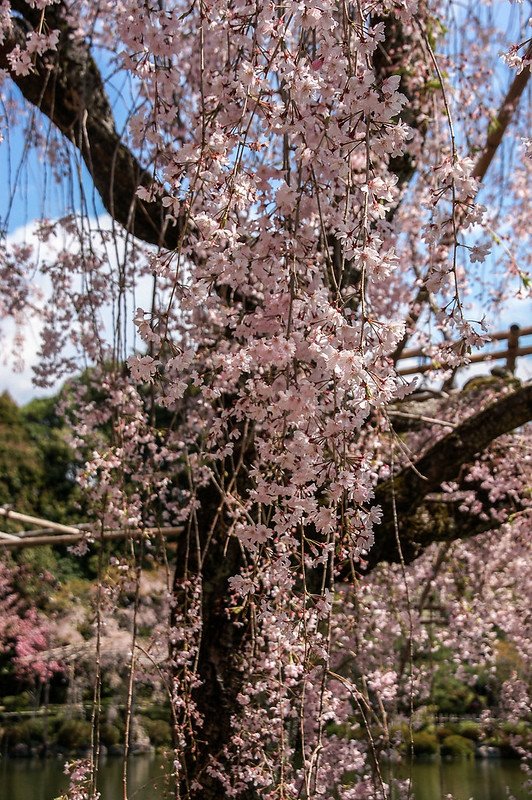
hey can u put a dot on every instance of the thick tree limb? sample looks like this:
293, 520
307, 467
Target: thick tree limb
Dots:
66, 86
498, 126
410, 510
394, 56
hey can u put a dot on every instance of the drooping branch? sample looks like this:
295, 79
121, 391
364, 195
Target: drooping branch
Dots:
395, 56
66, 86
496, 131
412, 508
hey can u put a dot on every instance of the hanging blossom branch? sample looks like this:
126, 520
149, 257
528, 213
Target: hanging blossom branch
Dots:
495, 136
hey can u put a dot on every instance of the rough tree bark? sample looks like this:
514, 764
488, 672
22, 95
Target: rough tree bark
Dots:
206, 550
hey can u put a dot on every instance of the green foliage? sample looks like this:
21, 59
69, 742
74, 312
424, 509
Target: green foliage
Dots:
157, 712
67, 733
508, 661
18, 702
159, 731
469, 730
457, 746
432, 85
37, 467
519, 728
74, 733
451, 696
424, 743
494, 126
510, 736
155, 721
345, 730
444, 731
109, 734
21, 465
30, 732
72, 590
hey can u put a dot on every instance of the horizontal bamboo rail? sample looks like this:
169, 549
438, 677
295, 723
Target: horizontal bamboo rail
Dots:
71, 538
511, 353
8, 536
476, 359
56, 534
44, 523
494, 337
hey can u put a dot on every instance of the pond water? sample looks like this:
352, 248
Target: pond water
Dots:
463, 779
44, 780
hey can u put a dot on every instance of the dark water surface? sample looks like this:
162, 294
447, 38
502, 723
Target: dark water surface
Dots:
44, 780
480, 780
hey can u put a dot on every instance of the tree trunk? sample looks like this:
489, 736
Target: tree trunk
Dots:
223, 639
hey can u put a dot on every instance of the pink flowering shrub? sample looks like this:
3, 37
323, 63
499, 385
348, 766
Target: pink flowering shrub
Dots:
25, 631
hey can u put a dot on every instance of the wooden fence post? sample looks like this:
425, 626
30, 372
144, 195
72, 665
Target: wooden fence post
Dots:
513, 347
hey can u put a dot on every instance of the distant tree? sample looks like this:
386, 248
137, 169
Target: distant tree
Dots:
24, 630
37, 466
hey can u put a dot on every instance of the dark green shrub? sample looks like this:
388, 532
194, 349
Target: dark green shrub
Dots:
399, 733
74, 733
424, 743
29, 732
14, 734
469, 730
510, 736
159, 731
457, 746
157, 712
444, 731
344, 730
451, 696
520, 728
36, 730
18, 702
109, 734
145, 690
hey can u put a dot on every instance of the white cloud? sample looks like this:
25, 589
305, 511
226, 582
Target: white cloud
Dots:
19, 356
